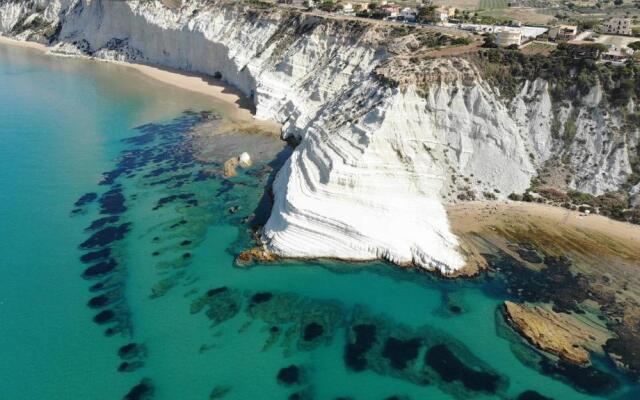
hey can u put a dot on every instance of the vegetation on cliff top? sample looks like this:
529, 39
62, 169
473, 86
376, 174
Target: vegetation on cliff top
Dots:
571, 70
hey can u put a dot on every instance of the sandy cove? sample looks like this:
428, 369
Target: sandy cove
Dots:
233, 103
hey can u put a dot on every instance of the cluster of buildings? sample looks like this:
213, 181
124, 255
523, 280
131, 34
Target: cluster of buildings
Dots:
505, 36
615, 33
389, 10
614, 26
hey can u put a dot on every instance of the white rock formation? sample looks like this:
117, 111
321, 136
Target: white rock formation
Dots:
375, 162
244, 160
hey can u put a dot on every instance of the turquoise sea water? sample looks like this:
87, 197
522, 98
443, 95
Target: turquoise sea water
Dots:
193, 326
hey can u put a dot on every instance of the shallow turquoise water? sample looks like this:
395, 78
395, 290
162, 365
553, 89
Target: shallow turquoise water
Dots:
63, 123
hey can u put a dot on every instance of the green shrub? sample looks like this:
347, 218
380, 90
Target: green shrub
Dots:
515, 197
581, 198
461, 41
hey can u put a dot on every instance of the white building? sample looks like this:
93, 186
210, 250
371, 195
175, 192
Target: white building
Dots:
527, 32
617, 26
563, 32
408, 13
508, 37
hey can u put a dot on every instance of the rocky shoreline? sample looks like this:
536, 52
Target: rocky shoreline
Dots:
325, 80
558, 334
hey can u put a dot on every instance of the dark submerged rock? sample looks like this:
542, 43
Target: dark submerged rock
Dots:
126, 366
112, 202
131, 351
586, 379
532, 395
177, 224
261, 297
106, 236
100, 269
100, 222
401, 352
289, 375
528, 253
99, 301
85, 199
450, 369
554, 284
626, 346
104, 317
312, 331
223, 306
141, 391
127, 350
216, 291
95, 255
187, 197
356, 351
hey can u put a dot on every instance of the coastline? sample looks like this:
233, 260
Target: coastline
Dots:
470, 216
557, 230
465, 218
236, 106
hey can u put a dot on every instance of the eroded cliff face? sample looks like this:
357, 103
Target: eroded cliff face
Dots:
384, 139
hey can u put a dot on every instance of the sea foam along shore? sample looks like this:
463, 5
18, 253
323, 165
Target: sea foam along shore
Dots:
226, 98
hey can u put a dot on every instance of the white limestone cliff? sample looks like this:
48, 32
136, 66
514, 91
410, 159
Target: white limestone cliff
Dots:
375, 161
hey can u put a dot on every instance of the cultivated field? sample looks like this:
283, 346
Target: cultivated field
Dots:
460, 4
538, 48
493, 4
525, 15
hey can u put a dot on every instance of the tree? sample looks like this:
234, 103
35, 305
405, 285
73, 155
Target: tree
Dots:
634, 45
618, 2
425, 13
600, 47
489, 40
328, 5
461, 41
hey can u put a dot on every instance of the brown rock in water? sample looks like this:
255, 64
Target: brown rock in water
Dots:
229, 168
255, 254
550, 331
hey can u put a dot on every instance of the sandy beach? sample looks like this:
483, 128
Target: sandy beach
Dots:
592, 239
236, 107
468, 217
